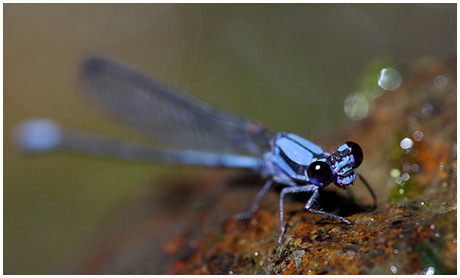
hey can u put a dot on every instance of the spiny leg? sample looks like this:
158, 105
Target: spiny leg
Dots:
315, 194
255, 205
291, 190
330, 215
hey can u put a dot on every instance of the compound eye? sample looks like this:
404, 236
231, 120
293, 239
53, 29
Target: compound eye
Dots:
357, 153
319, 173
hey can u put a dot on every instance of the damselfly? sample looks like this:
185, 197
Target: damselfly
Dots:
201, 135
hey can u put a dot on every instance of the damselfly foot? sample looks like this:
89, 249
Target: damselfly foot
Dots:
244, 215
330, 215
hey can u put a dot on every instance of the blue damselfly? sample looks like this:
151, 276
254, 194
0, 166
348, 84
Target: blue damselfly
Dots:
200, 134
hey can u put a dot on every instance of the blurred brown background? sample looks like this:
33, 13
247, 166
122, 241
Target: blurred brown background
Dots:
288, 66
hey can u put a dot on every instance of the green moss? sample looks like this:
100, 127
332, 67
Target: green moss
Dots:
404, 191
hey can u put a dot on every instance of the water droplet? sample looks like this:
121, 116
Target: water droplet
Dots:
401, 191
442, 166
256, 254
406, 143
427, 109
393, 269
432, 226
440, 81
356, 107
437, 235
405, 177
415, 168
418, 135
430, 271
394, 173
396, 251
369, 88
422, 203
389, 79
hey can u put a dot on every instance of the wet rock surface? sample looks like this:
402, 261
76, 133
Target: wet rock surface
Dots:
186, 226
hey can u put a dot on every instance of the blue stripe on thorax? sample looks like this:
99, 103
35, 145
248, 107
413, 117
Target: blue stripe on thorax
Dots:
294, 151
305, 143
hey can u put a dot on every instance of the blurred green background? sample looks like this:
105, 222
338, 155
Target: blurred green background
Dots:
288, 66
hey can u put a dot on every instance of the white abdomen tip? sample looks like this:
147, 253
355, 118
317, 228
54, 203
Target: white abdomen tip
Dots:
38, 135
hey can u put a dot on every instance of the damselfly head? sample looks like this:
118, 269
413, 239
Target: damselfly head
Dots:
338, 167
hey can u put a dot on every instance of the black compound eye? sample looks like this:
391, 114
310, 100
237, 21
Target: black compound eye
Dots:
357, 153
319, 173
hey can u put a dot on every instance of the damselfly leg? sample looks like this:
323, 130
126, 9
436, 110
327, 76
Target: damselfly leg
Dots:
255, 205
306, 188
